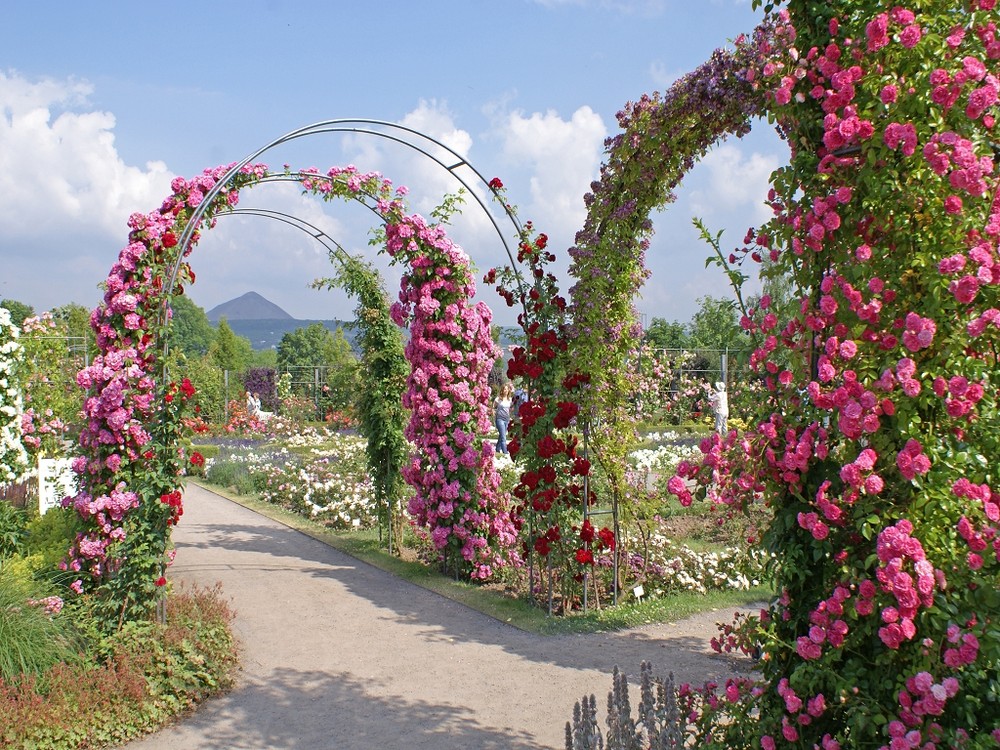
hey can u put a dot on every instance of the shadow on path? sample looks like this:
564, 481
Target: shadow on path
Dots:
340, 654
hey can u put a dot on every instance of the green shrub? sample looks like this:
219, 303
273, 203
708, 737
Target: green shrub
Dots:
148, 674
49, 536
12, 529
33, 636
228, 474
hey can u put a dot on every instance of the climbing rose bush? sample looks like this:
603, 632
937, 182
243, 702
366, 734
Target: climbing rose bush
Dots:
876, 447
451, 352
552, 491
52, 400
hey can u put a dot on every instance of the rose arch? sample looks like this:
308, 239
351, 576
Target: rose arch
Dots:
134, 441
874, 440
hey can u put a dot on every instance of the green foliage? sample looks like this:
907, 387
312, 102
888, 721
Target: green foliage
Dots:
305, 347
209, 382
74, 319
265, 359
305, 350
191, 332
663, 335
13, 529
52, 399
48, 536
380, 402
229, 351
18, 310
716, 325
148, 675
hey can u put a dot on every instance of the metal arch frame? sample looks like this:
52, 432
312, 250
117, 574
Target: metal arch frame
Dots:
312, 230
349, 125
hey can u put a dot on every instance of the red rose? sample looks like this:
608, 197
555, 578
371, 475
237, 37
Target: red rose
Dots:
161, 581
585, 557
567, 411
495, 184
169, 239
607, 537
197, 459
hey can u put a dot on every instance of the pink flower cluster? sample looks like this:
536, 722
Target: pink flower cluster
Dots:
960, 396
955, 157
900, 553
912, 460
826, 625
52, 605
921, 698
451, 353
122, 390
799, 714
902, 21
979, 539
918, 332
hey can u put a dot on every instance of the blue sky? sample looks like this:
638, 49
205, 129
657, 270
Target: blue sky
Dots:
103, 103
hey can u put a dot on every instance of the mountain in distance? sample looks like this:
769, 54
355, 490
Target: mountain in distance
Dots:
263, 322
251, 306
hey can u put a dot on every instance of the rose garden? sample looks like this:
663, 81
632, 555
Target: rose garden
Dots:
854, 488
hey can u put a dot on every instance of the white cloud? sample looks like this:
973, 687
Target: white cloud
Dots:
59, 170
563, 158
736, 182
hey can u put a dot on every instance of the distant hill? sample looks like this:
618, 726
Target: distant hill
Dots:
266, 333
251, 306
264, 323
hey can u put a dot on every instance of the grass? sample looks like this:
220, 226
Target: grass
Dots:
519, 613
31, 641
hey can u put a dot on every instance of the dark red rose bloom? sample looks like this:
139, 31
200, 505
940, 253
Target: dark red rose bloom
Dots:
495, 184
607, 537
567, 411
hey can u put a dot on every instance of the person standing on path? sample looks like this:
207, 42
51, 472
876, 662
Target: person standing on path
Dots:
502, 416
720, 404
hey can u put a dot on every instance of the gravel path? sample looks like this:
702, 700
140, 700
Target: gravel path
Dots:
339, 654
